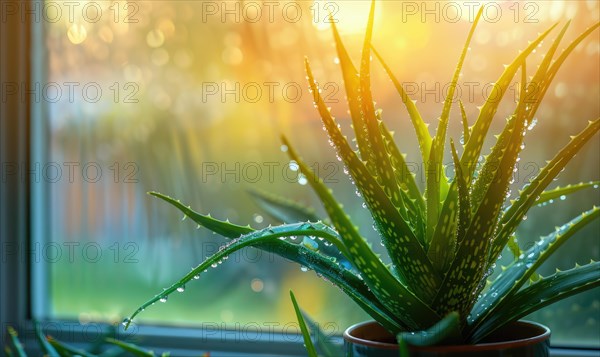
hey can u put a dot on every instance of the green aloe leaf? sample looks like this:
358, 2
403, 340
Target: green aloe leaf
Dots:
322, 342
289, 211
352, 85
130, 347
561, 193
518, 272
528, 196
411, 196
225, 229
468, 269
415, 270
423, 135
331, 270
438, 190
68, 350
511, 137
383, 165
282, 208
473, 147
405, 177
488, 110
535, 93
465, 122
485, 200
542, 293
446, 331
440, 251
513, 246
464, 199
432, 193
98, 347
15, 342
310, 348
250, 239
346, 280
399, 299
541, 80
47, 348
549, 75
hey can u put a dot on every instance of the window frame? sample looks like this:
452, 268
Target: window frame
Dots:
22, 282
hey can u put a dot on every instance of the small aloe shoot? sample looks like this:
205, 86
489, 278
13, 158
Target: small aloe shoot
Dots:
53, 347
310, 348
442, 242
15, 343
323, 345
45, 345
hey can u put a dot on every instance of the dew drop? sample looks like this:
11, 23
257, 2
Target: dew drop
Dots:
214, 265
196, 277
126, 321
310, 243
284, 148
302, 180
303, 269
532, 124
563, 197
163, 298
181, 289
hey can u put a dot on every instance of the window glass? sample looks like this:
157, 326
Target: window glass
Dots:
189, 98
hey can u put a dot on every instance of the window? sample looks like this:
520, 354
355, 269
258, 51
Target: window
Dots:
189, 98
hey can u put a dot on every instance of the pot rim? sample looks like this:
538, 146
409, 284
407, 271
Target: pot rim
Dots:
453, 348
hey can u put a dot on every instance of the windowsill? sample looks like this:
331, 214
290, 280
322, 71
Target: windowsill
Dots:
193, 342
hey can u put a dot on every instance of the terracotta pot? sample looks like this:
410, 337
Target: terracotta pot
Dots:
519, 339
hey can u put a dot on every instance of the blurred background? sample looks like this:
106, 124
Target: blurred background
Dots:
189, 98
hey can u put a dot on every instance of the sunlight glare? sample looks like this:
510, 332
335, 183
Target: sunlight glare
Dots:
350, 16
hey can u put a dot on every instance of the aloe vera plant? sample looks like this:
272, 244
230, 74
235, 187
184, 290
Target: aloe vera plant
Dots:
442, 243
52, 347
